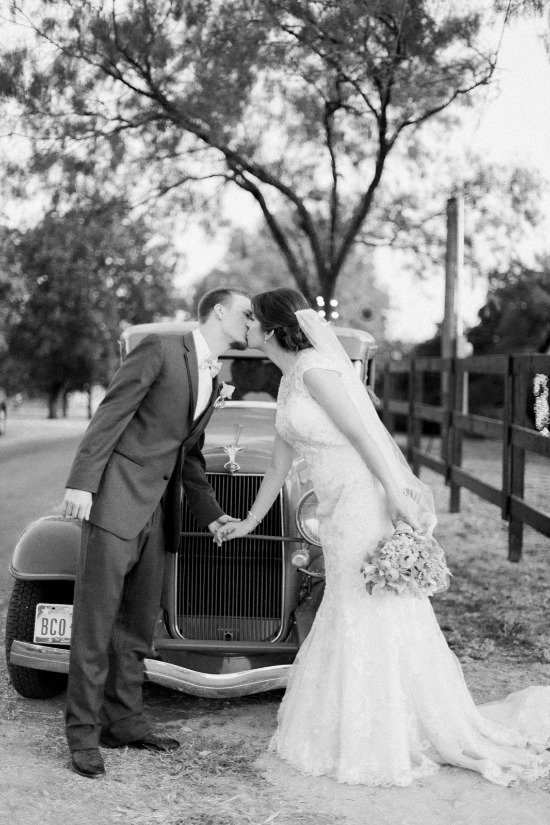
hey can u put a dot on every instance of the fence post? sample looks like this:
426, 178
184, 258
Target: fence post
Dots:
517, 460
444, 430
410, 420
507, 439
414, 428
454, 456
387, 417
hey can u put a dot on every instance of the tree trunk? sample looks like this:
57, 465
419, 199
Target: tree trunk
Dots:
326, 295
88, 391
52, 404
54, 397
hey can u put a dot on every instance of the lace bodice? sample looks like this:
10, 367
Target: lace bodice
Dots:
339, 475
300, 419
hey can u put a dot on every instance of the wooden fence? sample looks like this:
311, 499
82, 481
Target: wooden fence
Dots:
513, 430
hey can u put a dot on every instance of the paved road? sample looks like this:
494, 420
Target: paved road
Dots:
35, 457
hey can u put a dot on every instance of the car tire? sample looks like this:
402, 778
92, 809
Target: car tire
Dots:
3, 421
29, 682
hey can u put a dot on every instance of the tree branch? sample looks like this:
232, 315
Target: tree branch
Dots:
436, 109
328, 116
276, 230
364, 206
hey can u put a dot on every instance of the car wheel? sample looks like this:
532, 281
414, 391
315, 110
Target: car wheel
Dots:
3, 421
29, 682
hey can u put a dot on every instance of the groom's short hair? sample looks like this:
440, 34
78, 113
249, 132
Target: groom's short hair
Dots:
216, 296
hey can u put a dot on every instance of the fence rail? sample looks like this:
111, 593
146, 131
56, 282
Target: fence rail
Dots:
455, 422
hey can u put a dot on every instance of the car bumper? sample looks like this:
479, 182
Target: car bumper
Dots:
209, 685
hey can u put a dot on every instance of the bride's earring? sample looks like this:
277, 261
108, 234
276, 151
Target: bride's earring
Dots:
267, 336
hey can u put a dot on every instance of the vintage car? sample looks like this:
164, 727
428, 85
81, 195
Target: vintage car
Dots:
232, 617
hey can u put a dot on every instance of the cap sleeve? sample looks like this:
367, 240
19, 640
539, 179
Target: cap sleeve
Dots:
314, 360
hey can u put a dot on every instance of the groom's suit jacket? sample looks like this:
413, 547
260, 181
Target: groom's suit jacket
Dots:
142, 444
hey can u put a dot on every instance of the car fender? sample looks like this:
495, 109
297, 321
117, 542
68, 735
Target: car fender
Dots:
47, 549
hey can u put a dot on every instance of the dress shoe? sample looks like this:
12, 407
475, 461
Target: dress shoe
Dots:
88, 762
149, 742
152, 742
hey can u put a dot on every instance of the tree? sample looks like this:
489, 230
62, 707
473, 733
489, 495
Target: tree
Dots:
517, 8
298, 103
514, 319
12, 289
516, 316
86, 273
503, 205
252, 263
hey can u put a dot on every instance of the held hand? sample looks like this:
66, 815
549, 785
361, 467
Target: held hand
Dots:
401, 506
223, 519
234, 531
76, 504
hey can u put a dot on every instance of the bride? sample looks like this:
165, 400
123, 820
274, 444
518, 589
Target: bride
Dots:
375, 695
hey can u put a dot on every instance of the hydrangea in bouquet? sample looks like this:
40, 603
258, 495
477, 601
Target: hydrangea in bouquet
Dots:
406, 563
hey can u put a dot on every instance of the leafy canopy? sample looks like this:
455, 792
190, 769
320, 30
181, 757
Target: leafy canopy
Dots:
297, 103
85, 273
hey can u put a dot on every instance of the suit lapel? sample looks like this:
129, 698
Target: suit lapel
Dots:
210, 407
203, 419
215, 388
192, 367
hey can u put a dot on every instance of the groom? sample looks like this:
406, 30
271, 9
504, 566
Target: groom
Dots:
143, 443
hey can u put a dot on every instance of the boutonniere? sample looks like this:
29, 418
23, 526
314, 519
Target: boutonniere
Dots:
224, 394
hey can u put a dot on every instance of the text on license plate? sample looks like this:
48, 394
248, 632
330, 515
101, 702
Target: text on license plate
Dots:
52, 624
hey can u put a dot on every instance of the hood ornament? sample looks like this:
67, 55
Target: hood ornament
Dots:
232, 449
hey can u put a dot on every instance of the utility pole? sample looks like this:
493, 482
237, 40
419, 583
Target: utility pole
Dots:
452, 330
454, 264
452, 338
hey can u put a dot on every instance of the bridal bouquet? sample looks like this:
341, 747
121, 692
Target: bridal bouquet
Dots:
407, 562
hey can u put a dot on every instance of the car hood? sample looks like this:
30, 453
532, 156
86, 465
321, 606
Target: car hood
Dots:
257, 423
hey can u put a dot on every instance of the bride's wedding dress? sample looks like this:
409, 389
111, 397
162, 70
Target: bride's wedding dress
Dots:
376, 697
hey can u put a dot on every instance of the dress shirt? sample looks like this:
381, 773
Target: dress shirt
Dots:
205, 376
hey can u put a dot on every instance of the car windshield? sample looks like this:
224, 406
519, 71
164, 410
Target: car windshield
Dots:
254, 379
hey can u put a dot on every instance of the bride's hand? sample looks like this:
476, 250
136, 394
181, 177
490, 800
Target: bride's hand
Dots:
402, 506
234, 530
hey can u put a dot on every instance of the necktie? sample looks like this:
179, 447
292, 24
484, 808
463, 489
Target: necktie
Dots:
211, 364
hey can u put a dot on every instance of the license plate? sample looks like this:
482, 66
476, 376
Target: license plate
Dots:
52, 624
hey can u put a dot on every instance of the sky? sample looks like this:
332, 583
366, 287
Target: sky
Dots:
511, 125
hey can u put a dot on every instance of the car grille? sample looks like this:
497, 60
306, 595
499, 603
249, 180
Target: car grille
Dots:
233, 592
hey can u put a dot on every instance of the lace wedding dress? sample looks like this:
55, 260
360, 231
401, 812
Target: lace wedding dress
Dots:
375, 696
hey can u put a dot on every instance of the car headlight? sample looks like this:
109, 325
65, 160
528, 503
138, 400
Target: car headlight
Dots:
306, 518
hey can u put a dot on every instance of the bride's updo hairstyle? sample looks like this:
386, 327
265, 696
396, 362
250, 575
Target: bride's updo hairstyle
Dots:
275, 312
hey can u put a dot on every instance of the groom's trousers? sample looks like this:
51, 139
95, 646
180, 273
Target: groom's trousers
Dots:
116, 607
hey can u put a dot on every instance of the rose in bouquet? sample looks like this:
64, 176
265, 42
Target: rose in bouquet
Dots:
406, 562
